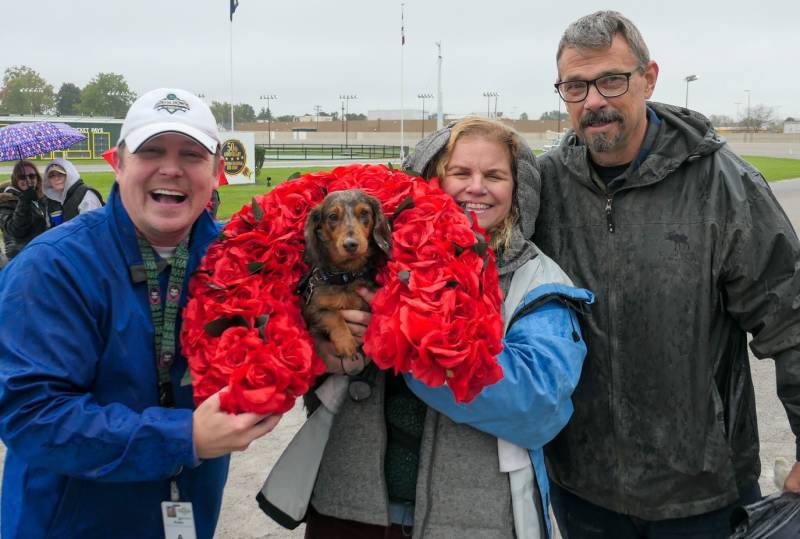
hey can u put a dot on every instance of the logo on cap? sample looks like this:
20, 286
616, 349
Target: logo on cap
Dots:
172, 103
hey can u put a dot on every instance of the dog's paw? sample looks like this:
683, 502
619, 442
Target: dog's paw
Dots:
346, 348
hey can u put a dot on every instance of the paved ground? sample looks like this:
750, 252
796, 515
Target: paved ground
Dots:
242, 519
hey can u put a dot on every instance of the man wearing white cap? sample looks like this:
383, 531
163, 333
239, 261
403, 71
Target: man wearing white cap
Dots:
102, 437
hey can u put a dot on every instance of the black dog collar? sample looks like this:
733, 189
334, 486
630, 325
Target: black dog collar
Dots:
305, 288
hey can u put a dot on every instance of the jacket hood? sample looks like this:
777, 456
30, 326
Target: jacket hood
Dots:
691, 136
8, 194
527, 184
72, 177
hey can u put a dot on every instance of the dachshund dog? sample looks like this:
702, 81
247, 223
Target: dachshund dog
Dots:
346, 236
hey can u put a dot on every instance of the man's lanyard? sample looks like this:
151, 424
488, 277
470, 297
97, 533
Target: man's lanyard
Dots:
164, 319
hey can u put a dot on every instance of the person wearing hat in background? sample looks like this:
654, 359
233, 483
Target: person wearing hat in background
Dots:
101, 430
25, 212
63, 184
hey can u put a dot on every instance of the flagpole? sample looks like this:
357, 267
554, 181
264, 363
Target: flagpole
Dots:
439, 116
231, 47
402, 87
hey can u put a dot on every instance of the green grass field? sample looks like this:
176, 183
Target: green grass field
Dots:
774, 168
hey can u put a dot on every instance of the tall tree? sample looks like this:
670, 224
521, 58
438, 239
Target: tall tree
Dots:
107, 94
24, 91
242, 112
264, 114
553, 115
68, 99
721, 120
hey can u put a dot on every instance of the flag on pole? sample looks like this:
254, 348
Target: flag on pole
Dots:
234, 5
402, 26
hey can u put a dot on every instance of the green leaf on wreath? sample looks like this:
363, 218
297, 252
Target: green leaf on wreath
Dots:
261, 321
412, 172
451, 284
390, 166
217, 327
458, 249
404, 276
258, 211
262, 334
293, 176
255, 267
187, 378
480, 248
406, 204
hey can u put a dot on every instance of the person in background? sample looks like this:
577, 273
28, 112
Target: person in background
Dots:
25, 212
63, 184
101, 428
688, 252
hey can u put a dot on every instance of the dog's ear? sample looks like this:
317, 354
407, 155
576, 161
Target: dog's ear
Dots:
311, 234
381, 232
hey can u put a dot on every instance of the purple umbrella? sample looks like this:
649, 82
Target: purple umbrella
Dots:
18, 141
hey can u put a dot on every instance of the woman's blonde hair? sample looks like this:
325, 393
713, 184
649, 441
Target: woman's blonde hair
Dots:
492, 130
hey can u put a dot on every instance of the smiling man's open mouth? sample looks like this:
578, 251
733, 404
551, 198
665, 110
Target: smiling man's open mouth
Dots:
166, 196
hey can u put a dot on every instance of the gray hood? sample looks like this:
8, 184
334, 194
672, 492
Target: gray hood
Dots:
72, 177
527, 185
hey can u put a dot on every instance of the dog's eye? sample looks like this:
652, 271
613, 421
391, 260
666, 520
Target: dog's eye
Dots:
333, 217
364, 214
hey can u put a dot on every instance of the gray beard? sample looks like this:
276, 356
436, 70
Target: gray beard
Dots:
602, 143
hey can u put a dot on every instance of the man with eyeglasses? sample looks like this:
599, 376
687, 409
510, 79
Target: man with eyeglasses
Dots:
687, 251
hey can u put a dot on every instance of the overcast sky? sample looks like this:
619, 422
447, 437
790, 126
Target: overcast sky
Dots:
307, 52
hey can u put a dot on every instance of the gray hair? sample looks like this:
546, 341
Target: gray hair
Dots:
596, 31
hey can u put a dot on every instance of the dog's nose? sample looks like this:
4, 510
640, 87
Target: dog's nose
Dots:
350, 245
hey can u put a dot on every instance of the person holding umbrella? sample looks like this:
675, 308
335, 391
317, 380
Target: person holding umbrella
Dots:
25, 212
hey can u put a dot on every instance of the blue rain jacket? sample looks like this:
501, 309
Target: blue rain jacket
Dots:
90, 451
541, 361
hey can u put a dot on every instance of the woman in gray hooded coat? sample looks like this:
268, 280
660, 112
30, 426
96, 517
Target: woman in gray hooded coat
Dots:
63, 184
408, 460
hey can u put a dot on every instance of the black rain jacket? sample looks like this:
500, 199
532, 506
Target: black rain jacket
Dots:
686, 254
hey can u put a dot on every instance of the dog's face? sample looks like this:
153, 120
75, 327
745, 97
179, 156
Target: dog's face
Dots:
343, 231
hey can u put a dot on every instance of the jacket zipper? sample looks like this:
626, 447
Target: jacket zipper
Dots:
610, 212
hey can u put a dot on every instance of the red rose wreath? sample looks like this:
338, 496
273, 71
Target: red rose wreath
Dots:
436, 315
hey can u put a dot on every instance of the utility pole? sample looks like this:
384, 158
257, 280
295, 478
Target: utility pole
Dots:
439, 115
267, 97
317, 109
748, 117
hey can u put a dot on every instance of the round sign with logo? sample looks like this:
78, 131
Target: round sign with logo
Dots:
235, 155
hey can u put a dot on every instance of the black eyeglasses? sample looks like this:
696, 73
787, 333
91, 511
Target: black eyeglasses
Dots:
30, 177
614, 85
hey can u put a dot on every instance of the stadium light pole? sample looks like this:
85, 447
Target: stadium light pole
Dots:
267, 98
346, 100
688, 79
489, 95
423, 97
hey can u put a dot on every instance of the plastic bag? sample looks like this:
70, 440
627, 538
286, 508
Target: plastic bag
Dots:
773, 517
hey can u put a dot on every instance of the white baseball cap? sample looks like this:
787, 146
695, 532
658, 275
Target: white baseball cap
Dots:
169, 110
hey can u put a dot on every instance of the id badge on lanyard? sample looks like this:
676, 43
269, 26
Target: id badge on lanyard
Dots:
178, 517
